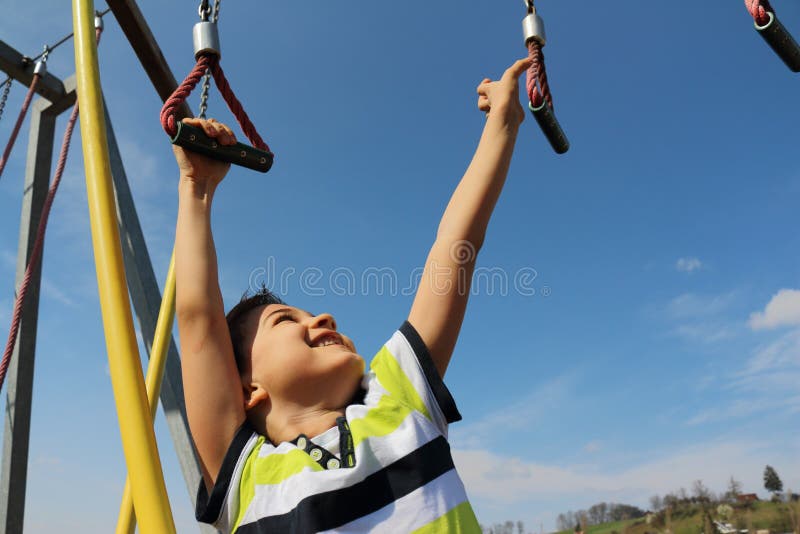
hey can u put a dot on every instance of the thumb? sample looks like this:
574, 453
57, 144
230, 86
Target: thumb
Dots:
516, 70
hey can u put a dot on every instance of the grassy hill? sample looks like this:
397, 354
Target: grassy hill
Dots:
689, 519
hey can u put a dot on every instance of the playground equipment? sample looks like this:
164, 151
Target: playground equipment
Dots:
774, 33
207, 53
136, 401
540, 101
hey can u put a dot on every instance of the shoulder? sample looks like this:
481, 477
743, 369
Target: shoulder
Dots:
405, 370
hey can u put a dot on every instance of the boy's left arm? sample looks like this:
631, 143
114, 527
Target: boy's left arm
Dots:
441, 299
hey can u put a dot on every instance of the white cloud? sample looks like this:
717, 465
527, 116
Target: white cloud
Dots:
746, 407
689, 265
592, 446
701, 318
494, 480
704, 333
692, 305
782, 310
514, 417
767, 383
776, 361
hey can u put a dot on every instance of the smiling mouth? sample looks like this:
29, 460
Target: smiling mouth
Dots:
329, 339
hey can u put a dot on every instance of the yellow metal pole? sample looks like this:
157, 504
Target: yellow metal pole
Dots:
138, 438
126, 524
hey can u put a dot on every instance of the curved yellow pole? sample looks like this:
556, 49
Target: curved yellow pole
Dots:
138, 438
126, 524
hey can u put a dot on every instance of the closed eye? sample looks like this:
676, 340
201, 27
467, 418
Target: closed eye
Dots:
285, 316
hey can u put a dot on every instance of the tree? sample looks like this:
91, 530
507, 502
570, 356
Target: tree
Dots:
520, 527
734, 490
772, 481
701, 492
655, 503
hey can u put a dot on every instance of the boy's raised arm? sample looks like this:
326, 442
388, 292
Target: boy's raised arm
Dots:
441, 299
212, 387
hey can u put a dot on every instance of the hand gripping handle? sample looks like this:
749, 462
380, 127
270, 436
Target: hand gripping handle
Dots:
195, 139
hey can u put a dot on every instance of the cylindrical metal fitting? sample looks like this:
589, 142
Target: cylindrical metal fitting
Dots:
533, 28
206, 39
40, 68
781, 41
98, 21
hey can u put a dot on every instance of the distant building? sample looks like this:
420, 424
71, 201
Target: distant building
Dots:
747, 497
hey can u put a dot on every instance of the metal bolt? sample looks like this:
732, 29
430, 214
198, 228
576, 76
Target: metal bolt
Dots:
192, 138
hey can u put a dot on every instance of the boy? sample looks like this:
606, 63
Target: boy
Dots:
291, 434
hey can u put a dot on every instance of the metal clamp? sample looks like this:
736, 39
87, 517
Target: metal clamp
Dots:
98, 21
40, 67
206, 39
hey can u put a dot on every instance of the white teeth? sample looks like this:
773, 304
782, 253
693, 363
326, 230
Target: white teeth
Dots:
326, 342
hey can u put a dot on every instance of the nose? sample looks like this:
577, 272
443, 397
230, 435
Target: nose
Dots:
323, 320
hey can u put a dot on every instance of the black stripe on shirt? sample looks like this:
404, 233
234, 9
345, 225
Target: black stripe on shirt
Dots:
208, 509
335, 508
440, 391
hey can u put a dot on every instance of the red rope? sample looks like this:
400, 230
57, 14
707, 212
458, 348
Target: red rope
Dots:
236, 108
18, 125
537, 85
38, 245
179, 96
759, 10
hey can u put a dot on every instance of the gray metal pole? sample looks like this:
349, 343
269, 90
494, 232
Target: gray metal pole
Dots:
146, 298
16, 434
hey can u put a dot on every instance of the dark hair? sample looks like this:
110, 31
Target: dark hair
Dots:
236, 319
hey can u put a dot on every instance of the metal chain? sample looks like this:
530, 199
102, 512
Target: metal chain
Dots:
207, 10
530, 6
3, 98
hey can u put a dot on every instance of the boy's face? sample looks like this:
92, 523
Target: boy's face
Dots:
301, 358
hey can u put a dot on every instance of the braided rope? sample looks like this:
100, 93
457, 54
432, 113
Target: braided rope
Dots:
759, 10
25, 104
179, 96
536, 83
38, 245
236, 108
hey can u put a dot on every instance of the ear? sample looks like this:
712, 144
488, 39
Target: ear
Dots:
254, 394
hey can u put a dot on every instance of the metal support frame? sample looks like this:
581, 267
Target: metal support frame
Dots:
16, 436
15, 65
145, 296
146, 47
57, 97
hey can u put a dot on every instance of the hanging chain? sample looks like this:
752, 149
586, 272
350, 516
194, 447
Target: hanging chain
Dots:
6, 89
205, 11
529, 5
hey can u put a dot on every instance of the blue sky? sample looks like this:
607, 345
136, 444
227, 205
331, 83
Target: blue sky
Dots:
661, 341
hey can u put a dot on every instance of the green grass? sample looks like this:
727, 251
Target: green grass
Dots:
775, 517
